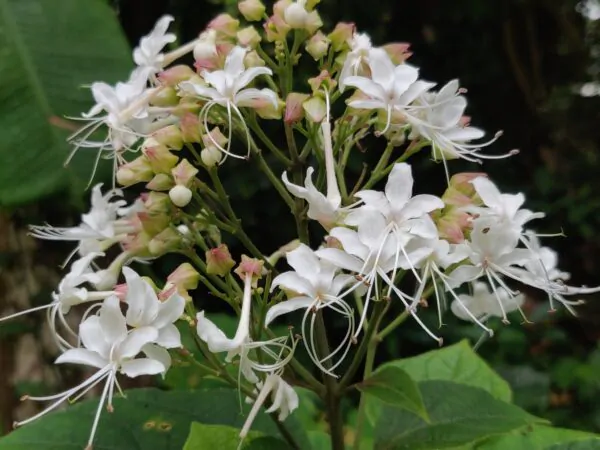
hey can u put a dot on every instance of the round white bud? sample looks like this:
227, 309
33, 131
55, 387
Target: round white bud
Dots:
180, 195
295, 15
211, 156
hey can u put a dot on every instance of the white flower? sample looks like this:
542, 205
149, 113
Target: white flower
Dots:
483, 303
590, 9
148, 54
318, 287
283, 399
391, 88
107, 222
227, 88
111, 348
439, 119
144, 309
360, 49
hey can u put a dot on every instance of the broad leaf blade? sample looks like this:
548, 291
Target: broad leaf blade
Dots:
536, 438
212, 437
457, 363
458, 415
146, 419
394, 387
49, 50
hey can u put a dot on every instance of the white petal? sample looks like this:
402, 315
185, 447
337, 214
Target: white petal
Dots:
294, 282
170, 310
135, 340
420, 205
112, 321
157, 353
248, 75
142, 366
234, 63
247, 97
341, 259
382, 68
367, 87
304, 261
142, 302
169, 337
213, 335
92, 336
82, 356
286, 307
463, 274
399, 186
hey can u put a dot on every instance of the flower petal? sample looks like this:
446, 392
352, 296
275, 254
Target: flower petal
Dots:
213, 335
399, 186
112, 321
82, 356
142, 366
286, 307
170, 310
169, 337
135, 340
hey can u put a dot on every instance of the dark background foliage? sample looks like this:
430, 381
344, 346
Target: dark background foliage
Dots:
521, 61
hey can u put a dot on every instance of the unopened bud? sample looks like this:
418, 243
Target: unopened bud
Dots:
157, 203
225, 24
252, 10
341, 35
206, 48
315, 109
167, 240
190, 128
248, 37
137, 171
398, 52
184, 277
293, 107
175, 75
462, 182
211, 156
184, 173
296, 15
180, 195
323, 80
317, 46
215, 138
266, 109
160, 182
253, 59
165, 97
250, 266
160, 158
169, 136
219, 261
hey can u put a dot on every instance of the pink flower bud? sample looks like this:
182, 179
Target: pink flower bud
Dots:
160, 182
315, 109
184, 173
160, 158
398, 52
180, 195
214, 137
206, 48
341, 35
225, 24
219, 261
323, 80
175, 75
266, 109
252, 10
170, 136
184, 277
276, 29
248, 37
250, 266
317, 46
168, 240
190, 128
293, 107
462, 182
137, 171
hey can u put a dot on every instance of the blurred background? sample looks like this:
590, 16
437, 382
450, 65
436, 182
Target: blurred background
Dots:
530, 67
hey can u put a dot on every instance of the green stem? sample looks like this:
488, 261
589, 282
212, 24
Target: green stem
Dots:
332, 398
392, 326
361, 416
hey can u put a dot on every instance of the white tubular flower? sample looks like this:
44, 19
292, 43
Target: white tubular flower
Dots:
111, 348
357, 57
501, 210
439, 118
107, 222
227, 88
283, 399
242, 342
318, 287
144, 309
148, 55
391, 88
543, 266
483, 303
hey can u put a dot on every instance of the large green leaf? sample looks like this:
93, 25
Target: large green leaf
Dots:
457, 363
146, 419
536, 438
49, 50
212, 437
588, 444
458, 415
393, 386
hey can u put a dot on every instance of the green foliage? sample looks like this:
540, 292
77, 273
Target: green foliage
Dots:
211, 437
146, 419
395, 387
535, 438
49, 50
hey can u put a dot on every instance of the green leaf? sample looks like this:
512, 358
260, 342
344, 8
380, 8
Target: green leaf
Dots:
146, 419
457, 363
458, 415
393, 386
222, 437
49, 50
535, 438
588, 444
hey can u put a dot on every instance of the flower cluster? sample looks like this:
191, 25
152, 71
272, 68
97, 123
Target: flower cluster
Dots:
172, 127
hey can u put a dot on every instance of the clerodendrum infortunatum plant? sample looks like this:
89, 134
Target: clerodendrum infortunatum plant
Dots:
180, 124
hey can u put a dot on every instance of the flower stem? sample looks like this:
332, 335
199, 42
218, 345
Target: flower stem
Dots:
361, 416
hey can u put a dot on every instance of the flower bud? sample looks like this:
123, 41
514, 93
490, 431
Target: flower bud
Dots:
167, 240
160, 182
452, 225
253, 59
180, 195
462, 182
152, 224
248, 37
341, 35
156, 203
293, 107
323, 80
315, 109
296, 15
211, 156
206, 48
175, 75
169, 136
165, 97
160, 158
266, 109
250, 266
252, 10
317, 46
219, 261
184, 277
398, 52
276, 28
214, 138
184, 173
137, 171
190, 128
224, 24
